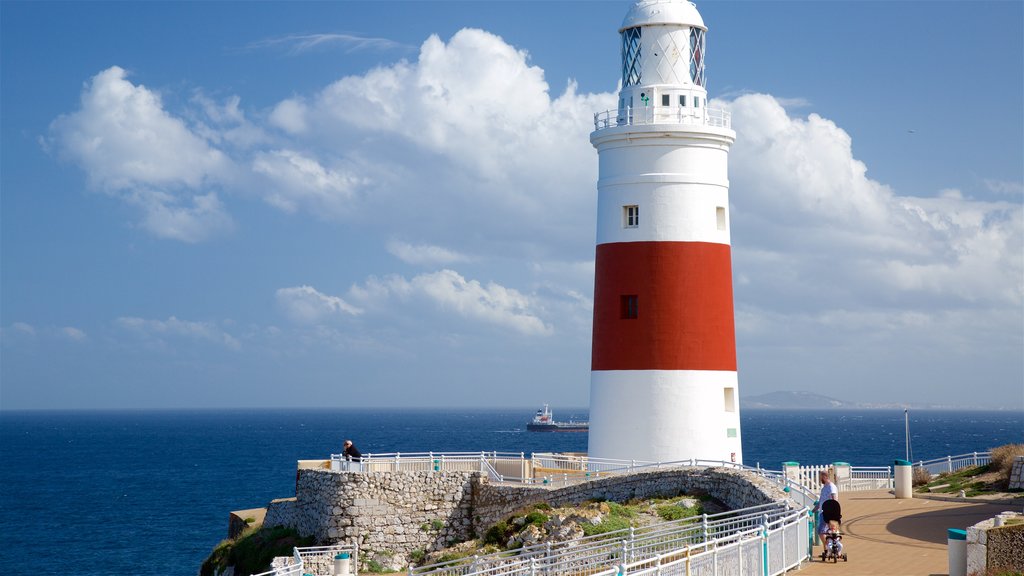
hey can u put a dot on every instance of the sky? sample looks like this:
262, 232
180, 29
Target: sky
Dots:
321, 204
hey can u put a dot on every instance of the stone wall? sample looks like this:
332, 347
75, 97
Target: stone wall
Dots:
735, 488
383, 513
1017, 474
992, 549
389, 515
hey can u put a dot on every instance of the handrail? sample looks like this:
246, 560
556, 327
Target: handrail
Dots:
647, 115
951, 464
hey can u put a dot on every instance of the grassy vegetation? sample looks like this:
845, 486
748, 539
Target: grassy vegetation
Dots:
960, 480
253, 550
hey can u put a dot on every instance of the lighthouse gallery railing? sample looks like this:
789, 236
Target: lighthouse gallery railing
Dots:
629, 116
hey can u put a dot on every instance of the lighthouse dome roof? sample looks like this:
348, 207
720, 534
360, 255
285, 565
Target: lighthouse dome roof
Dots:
655, 12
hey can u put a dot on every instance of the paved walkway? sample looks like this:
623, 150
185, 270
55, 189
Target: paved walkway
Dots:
883, 535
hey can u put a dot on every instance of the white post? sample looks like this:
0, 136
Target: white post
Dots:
903, 479
956, 550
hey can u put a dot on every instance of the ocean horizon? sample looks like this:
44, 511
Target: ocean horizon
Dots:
98, 492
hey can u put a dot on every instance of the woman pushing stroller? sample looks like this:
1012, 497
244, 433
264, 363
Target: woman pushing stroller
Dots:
829, 519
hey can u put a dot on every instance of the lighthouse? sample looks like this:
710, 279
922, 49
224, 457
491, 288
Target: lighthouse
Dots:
663, 369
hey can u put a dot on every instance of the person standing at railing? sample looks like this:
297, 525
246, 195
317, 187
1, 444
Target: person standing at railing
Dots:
828, 492
352, 455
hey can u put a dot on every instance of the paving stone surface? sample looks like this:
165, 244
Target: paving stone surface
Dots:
883, 535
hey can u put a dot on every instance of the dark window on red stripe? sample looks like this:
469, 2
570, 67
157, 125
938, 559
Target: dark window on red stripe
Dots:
629, 306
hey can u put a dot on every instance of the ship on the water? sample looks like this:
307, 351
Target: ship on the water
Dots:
544, 421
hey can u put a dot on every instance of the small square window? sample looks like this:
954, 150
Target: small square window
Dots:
682, 100
628, 305
665, 99
630, 216
730, 432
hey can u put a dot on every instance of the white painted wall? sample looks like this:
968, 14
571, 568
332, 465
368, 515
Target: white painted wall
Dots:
663, 415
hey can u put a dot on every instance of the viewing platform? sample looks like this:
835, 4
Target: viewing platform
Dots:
882, 533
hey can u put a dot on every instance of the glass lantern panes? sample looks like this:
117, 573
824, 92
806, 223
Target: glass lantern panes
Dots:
631, 57
697, 56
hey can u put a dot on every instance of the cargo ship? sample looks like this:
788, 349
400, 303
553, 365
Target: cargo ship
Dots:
544, 421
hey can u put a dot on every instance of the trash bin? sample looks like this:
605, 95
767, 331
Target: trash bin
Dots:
956, 548
904, 475
341, 564
843, 475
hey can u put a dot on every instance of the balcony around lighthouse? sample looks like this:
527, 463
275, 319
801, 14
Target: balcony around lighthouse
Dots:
671, 115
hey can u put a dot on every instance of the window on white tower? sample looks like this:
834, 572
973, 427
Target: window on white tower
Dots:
720, 217
630, 216
665, 99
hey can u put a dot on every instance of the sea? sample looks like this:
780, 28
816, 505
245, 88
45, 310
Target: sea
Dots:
117, 493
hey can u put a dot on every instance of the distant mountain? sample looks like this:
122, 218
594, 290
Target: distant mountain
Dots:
794, 400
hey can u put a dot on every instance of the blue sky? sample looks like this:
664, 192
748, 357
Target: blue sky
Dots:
368, 204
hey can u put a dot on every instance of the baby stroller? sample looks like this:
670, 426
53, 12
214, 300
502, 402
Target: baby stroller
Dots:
832, 512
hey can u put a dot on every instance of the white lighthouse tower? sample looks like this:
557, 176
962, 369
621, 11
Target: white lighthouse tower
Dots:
663, 374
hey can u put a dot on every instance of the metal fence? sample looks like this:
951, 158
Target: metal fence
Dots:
762, 540
662, 115
951, 464
635, 547
316, 560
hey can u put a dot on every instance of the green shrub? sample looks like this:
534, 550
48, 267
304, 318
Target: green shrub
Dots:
542, 506
253, 550
497, 534
670, 512
537, 518
610, 524
621, 511
374, 567
417, 556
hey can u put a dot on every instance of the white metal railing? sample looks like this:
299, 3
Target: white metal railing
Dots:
769, 539
867, 478
494, 463
847, 478
628, 116
951, 464
317, 560
591, 554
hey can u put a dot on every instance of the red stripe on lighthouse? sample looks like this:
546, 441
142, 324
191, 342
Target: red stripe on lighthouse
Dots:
684, 308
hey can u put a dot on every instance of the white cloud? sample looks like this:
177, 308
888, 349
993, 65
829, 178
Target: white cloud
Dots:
306, 305
297, 180
173, 327
72, 333
424, 254
290, 116
131, 148
299, 43
24, 328
485, 150
469, 299
1005, 187
801, 198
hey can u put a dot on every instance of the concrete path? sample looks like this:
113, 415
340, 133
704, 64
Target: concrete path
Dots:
883, 535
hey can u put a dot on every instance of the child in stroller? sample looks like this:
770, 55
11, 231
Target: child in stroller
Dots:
831, 514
